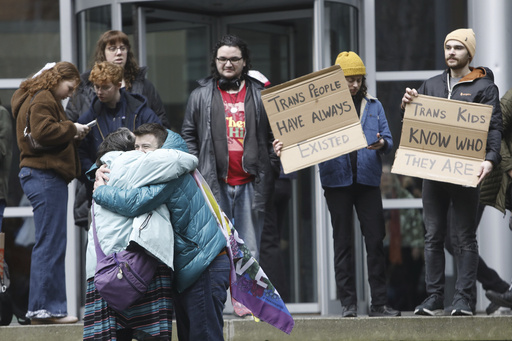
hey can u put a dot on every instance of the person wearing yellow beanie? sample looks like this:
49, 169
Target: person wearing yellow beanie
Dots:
351, 64
353, 180
475, 85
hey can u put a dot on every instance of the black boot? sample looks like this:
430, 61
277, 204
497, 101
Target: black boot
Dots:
503, 300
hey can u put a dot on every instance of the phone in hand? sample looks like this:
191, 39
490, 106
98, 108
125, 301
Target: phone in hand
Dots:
374, 142
92, 123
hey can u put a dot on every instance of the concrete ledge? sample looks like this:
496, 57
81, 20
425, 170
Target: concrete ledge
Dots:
366, 328
310, 328
55, 332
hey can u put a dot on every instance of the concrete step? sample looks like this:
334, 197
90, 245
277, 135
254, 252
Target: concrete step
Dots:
310, 328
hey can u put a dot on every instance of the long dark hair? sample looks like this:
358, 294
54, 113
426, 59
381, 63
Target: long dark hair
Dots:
234, 41
131, 68
363, 91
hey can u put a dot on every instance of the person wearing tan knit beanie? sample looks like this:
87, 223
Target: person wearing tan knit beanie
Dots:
474, 85
459, 49
466, 36
352, 181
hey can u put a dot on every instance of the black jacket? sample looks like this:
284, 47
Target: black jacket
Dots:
213, 157
476, 87
81, 100
80, 103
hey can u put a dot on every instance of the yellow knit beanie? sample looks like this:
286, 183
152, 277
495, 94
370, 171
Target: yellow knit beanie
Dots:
351, 64
466, 36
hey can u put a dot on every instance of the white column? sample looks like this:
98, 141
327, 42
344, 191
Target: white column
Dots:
67, 31
490, 20
116, 12
72, 262
320, 209
367, 39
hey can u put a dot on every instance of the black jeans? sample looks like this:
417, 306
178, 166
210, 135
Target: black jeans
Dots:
270, 247
487, 276
437, 197
368, 204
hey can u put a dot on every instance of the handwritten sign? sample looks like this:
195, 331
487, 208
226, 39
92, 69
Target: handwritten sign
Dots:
314, 117
443, 140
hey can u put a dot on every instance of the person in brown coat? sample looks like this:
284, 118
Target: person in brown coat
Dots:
47, 141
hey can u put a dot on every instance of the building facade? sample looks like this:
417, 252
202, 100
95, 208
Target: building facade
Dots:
400, 41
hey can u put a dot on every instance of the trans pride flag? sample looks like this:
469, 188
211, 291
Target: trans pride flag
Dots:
249, 284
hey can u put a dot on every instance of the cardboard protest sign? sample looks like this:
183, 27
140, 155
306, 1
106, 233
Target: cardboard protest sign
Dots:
314, 117
443, 140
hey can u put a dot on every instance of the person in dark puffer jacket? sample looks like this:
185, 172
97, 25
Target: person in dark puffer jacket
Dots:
476, 85
494, 187
495, 192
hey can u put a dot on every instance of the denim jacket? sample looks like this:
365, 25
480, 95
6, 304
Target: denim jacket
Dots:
337, 172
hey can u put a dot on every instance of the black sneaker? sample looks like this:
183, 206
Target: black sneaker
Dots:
349, 311
433, 305
461, 307
382, 311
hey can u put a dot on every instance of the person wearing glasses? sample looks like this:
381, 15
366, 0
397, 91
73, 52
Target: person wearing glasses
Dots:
112, 108
112, 46
227, 128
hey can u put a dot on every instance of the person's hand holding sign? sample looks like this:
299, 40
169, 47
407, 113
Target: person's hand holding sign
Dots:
408, 96
278, 146
485, 168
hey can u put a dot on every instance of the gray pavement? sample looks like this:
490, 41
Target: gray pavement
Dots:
324, 328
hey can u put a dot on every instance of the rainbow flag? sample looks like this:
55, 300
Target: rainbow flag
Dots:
249, 285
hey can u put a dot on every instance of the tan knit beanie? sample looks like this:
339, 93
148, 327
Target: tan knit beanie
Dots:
351, 64
466, 36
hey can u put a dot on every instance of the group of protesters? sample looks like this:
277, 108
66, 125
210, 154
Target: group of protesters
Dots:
115, 125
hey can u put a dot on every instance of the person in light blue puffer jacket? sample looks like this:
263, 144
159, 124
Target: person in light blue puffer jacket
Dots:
201, 265
151, 315
131, 169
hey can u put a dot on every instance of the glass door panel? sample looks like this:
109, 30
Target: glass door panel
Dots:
177, 49
277, 53
177, 53
91, 25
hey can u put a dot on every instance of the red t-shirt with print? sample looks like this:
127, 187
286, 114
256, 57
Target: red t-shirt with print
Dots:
235, 128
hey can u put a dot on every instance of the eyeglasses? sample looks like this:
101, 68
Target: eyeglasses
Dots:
103, 88
233, 60
115, 48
